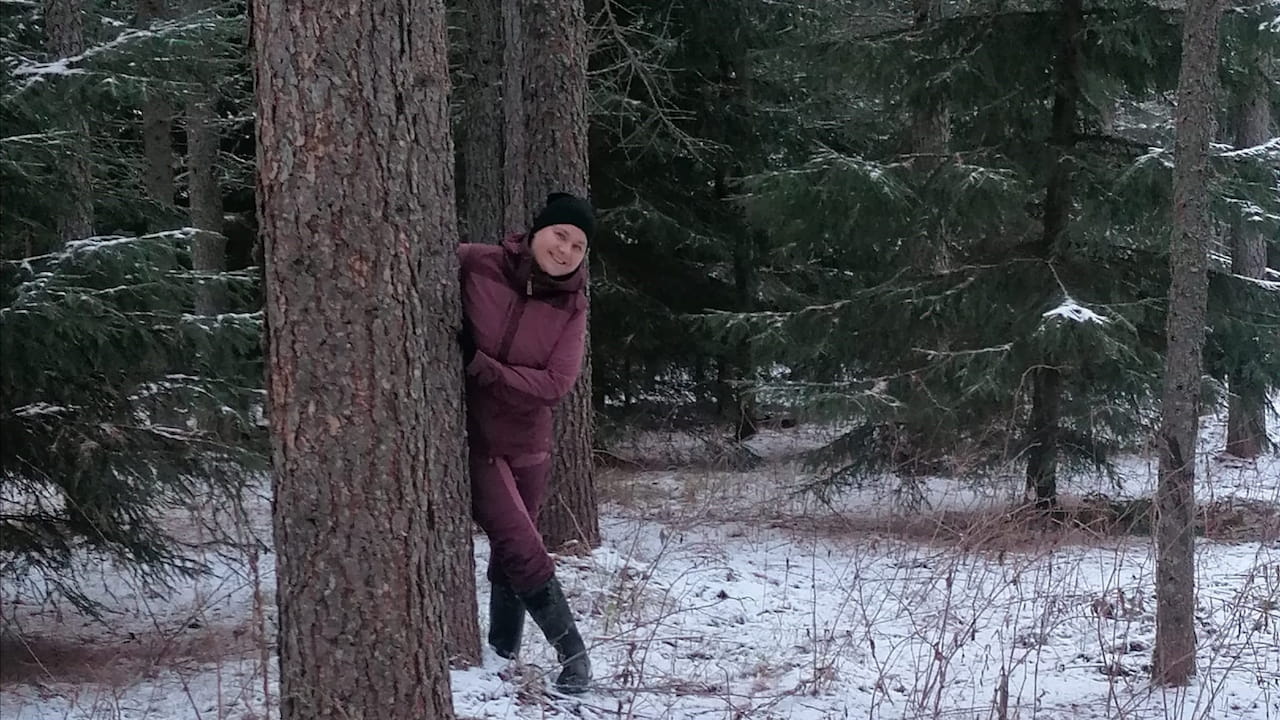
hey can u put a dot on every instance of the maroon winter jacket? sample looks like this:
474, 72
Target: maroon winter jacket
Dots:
530, 331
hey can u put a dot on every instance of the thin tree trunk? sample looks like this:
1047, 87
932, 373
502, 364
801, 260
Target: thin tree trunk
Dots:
209, 247
553, 52
1042, 456
1046, 397
1174, 657
1247, 408
930, 120
732, 363
483, 194
157, 140
930, 136
737, 366
64, 38
364, 381
745, 283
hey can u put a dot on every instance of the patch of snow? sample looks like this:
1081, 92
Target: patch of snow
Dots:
724, 594
36, 409
1074, 311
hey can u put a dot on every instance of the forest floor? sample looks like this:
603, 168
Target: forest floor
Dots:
728, 594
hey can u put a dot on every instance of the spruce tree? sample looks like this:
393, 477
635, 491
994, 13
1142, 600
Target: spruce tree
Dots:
1244, 348
108, 370
1174, 655
1032, 331
683, 111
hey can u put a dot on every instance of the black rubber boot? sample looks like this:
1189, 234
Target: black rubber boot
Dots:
506, 620
550, 610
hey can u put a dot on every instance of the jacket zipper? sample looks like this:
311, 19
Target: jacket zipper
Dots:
513, 322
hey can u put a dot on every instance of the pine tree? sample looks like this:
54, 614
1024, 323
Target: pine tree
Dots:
364, 376
552, 48
1174, 656
482, 186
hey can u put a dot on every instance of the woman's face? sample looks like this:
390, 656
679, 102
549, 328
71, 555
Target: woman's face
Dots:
559, 249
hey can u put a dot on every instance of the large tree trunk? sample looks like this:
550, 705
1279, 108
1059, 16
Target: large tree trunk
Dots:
515, 147
209, 247
364, 390
64, 38
1247, 408
483, 209
157, 139
1046, 396
570, 518
553, 55
1174, 657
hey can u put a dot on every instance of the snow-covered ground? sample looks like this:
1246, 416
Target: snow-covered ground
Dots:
723, 595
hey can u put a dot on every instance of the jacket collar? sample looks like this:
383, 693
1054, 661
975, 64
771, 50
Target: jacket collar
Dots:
527, 278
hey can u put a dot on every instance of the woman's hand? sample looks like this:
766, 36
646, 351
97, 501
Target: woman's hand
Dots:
468, 346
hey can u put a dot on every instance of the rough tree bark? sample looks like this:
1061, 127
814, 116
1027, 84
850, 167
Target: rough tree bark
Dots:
364, 392
482, 215
64, 38
157, 140
514, 162
1247, 408
1174, 657
1046, 380
552, 48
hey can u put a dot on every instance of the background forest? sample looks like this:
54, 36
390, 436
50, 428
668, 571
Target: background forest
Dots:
944, 225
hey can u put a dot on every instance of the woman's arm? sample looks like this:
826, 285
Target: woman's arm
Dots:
525, 384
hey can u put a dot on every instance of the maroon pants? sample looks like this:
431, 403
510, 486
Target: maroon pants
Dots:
506, 495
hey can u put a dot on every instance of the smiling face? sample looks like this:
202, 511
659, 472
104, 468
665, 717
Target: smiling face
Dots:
559, 249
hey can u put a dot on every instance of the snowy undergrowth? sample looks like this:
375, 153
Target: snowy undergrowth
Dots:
736, 620
724, 595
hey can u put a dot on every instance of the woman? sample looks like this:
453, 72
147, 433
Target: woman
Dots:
524, 311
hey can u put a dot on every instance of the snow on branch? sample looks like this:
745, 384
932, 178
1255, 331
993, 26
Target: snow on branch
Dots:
104, 242
1006, 347
1074, 311
37, 71
1269, 150
38, 409
1161, 155
51, 137
1269, 285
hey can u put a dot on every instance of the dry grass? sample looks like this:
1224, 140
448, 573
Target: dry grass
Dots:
201, 656
30, 659
1009, 571
766, 496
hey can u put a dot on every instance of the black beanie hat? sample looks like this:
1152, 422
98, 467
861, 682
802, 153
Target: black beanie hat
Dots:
565, 209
